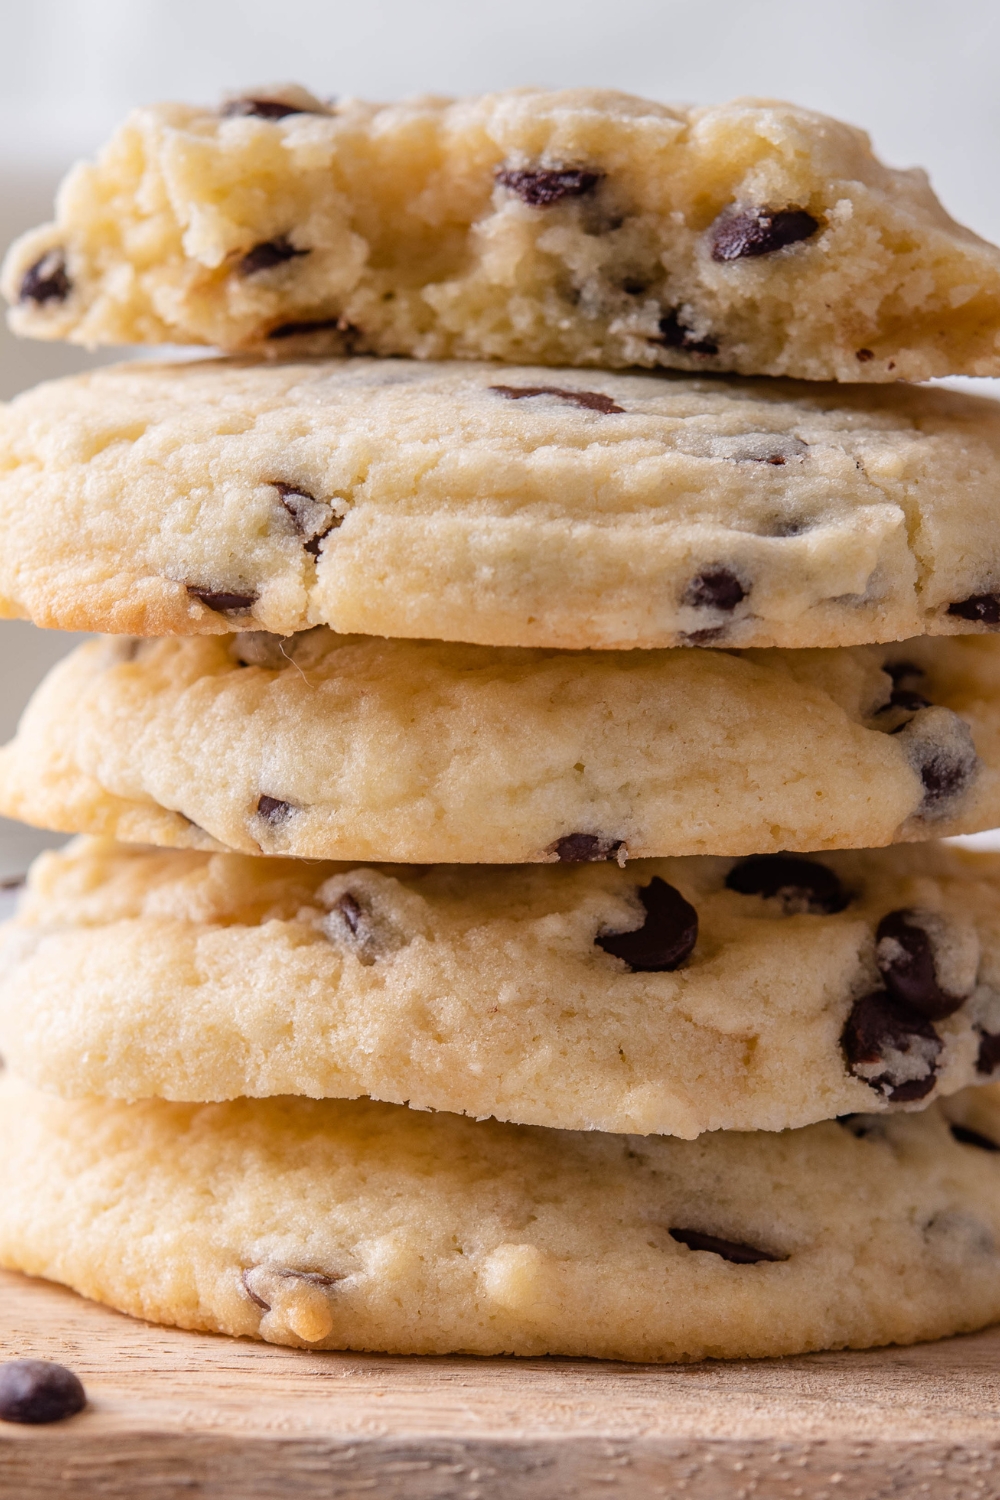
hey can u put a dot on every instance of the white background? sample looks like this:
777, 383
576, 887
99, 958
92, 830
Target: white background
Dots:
921, 75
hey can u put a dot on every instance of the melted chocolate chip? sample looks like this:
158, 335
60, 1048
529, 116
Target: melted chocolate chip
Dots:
988, 1058
674, 335
274, 811
268, 254
967, 1137
34, 1391
222, 602
983, 609
887, 1043
540, 187
261, 109
759, 231
314, 519
309, 325
716, 588
864, 355
731, 1250
585, 848
46, 280
801, 885
905, 957
665, 939
591, 400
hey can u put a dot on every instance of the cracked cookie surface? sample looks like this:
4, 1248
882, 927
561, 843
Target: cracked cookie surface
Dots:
673, 997
332, 747
370, 1226
504, 506
584, 227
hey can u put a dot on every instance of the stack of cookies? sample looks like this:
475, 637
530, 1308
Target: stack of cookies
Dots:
511, 912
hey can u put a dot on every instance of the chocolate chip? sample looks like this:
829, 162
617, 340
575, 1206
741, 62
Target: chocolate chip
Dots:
759, 231
592, 400
313, 325
222, 602
983, 609
274, 811
703, 637
540, 187
266, 255
34, 1391
352, 912
891, 1047
262, 109
939, 747
46, 280
716, 588
314, 519
907, 699
905, 957
13, 883
864, 355
674, 335
900, 670
633, 288
731, 1250
967, 1137
368, 934
665, 939
801, 885
988, 1057
585, 848
284, 1273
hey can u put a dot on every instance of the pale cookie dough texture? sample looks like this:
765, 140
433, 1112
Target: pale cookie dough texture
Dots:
578, 228
369, 1226
504, 506
674, 997
332, 747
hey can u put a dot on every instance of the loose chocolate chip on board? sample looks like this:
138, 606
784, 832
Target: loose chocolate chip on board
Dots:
222, 602
674, 335
261, 109
46, 280
967, 1137
988, 1058
268, 254
34, 1391
892, 1048
731, 1250
540, 187
759, 231
905, 957
666, 938
591, 400
801, 885
585, 848
983, 609
715, 588
274, 811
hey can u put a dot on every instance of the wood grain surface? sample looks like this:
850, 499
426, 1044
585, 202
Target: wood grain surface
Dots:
176, 1414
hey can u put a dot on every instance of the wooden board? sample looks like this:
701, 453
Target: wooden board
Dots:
188, 1415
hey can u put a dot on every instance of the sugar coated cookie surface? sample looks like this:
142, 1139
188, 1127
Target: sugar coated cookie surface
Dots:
369, 1226
516, 506
585, 227
332, 747
674, 997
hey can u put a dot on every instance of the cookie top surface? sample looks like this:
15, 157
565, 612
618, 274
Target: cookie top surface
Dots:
332, 747
584, 227
674, 997
505, 506
369, 1226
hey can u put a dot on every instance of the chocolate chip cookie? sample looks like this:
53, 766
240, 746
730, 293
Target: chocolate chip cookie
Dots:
585, 227
515, 506
673, 997
357, 1225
